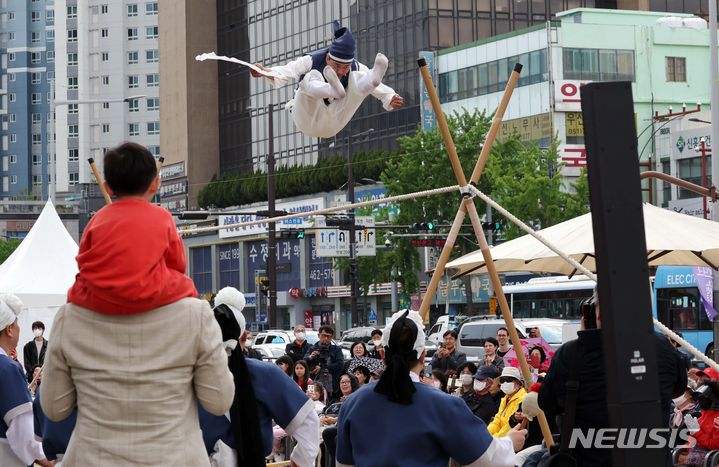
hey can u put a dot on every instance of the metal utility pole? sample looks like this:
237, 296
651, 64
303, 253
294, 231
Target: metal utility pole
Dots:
352, 233
271, 239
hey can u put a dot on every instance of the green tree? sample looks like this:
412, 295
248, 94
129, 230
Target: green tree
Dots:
7, 247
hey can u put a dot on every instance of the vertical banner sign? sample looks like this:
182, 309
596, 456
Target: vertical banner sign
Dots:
705, 284
429, 120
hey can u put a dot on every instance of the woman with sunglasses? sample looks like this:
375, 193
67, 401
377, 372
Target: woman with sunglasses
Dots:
514, 393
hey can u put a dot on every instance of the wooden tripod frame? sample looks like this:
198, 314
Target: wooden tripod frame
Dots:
467, 206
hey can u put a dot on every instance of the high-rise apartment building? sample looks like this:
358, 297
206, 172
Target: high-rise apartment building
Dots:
107, 86
27, 57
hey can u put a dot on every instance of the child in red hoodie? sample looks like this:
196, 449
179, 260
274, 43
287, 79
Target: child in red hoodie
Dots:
131, 258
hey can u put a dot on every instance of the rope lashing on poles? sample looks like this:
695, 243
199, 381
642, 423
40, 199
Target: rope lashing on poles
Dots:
574, 263
321, 212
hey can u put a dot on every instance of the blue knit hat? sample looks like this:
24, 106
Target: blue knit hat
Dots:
342, 49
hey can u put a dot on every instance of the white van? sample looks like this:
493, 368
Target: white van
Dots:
443, 324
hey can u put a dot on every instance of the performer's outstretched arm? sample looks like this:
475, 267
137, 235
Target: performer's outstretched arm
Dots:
385, 94
287, 73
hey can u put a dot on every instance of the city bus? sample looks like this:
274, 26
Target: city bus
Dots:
549, 297
678, 305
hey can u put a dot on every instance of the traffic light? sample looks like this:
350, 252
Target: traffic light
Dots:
428, 226
265, 286
491, 226
292, 233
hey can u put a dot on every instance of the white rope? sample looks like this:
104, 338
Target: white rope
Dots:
668, 332
320, 212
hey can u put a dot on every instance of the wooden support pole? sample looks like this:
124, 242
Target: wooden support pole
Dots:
469, 207
100, 181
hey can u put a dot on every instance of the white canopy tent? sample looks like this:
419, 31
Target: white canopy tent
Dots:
40, 272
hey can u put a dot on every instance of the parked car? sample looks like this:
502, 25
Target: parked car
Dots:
353, 335
271, 344
473, 333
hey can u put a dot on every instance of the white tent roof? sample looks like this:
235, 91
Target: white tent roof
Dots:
43, 267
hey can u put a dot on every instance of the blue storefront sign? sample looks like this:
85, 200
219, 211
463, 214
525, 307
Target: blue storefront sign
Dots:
288, 262
320, 274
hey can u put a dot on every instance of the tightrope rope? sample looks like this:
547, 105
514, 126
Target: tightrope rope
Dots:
668, 332
320, 212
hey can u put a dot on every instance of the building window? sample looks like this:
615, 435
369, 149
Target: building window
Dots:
13, 159
11, 15
153, 103
677, 69
105, 105
34, 37
35, 57
36, 98
72, 82
152, 56
153, 80
37, 180
11, 76
72, 35
72, 108
72, 131
73, 155
36, 138
11, 56
13, 179
105, 32
134, 105
73, 178
105, 56
13, 118
50, 35
153, 128
133, 129
154, 150
49, 97
49, 15
35, 78
50, 56
132, 9
71, 12
12, 97
13, 138
37, 159
151, 32
131, 34
34, 16
104, 9
132, 58
36, 118
105, 80
133, 81
151, 8
49, 117
598, 64
11, 36
106, 128
72, 59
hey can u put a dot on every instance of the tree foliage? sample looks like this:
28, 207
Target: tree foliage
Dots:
7, 247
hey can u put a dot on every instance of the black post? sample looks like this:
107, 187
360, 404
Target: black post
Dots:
352, 233
271, 239
628, 340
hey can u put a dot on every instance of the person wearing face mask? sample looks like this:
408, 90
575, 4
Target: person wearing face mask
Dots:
34, 351
707, 435
296, 349
684, 405
514, 393
486, 404
376, 349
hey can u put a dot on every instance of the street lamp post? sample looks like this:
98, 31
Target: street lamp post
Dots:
352, 232
51, 141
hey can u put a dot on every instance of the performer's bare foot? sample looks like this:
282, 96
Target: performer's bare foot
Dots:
334, 82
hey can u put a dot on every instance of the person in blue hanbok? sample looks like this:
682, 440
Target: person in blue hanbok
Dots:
420, 425
263, 393
55, 436
18, 446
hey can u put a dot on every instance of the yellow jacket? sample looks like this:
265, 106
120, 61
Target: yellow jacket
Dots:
499, 426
